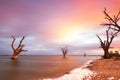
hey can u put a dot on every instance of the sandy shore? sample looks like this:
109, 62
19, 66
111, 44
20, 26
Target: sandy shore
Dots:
96, 69
106, 69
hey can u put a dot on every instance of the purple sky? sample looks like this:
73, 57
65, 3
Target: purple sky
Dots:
51, 24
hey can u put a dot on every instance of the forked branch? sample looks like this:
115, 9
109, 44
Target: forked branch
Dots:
19, 49
112, 21
105, 44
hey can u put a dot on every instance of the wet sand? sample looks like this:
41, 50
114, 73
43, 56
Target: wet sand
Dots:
38, 67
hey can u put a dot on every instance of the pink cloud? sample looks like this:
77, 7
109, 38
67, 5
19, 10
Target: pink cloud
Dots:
45, 18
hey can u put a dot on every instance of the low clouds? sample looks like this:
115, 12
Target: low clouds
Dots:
45, 22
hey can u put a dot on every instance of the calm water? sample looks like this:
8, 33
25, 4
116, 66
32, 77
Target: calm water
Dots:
36, 67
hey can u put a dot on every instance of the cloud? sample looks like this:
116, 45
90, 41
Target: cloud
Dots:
46, 22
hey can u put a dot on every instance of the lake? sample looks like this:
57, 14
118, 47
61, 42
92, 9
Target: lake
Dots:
39, 67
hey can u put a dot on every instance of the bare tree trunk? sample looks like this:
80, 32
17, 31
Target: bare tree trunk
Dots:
105, 45
14, 56
19, 49
64, 55
64, 50
113, 23
106, 54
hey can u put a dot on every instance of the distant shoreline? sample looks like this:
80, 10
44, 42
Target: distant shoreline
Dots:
52, 55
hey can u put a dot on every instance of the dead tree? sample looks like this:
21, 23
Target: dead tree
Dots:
105, 44
17, 50
64, 50
112, 21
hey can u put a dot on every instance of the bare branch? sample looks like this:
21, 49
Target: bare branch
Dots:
108, 16
117, 16
20, 44
102, 43
99, 38
105, 45
112, 21
19, 49
107, 37
64, 50
24, 50
12, 45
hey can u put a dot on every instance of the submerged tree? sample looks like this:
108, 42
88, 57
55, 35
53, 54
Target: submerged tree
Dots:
19, 49
64, 50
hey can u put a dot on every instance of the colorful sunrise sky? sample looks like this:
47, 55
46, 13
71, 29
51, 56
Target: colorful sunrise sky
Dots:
51, 24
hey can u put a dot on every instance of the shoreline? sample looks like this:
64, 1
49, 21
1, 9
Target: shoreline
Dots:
80, 73
96, 69
39, 67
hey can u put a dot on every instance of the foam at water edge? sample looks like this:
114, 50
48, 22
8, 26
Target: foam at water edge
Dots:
78, 73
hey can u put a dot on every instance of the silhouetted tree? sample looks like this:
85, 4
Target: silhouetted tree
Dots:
112, 21
84, 55
17, 50
64, 50
105, 44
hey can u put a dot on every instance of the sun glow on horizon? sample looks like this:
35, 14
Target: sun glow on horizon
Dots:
70, 34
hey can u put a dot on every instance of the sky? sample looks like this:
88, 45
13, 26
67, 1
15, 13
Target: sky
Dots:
51, 24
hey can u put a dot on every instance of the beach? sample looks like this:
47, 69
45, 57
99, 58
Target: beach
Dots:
39, 67
96, 69
105, 69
